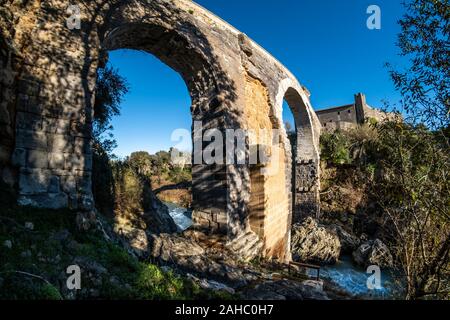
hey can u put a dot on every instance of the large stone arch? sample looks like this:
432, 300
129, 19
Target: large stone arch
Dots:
49, 84
188, 52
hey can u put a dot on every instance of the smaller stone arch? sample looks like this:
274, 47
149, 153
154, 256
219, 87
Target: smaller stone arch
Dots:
305, 169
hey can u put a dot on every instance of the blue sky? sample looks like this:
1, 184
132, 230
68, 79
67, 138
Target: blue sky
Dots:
325, 43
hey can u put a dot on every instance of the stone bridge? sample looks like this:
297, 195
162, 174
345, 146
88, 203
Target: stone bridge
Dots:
48, 74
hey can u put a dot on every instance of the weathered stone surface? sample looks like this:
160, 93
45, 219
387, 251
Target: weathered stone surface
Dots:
287, 290
349, 242
46, 200
246, 247
19, 157
315, 243
34, 182
37, 159
233, 83
174, 248
373, 252
134, 238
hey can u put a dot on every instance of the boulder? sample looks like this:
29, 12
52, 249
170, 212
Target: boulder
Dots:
172, 247
134, 239
349, 242
312, 242
192, 256
184, 253
373, 252
157, 217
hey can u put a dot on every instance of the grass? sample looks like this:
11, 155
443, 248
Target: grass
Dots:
34, 267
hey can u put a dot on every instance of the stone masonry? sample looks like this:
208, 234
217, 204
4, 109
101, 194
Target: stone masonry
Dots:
47, 82
348, 116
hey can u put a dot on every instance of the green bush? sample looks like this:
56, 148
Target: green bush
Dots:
335, 148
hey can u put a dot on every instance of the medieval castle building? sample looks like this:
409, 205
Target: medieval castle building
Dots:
348, 116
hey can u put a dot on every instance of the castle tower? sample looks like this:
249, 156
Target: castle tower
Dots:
360, 104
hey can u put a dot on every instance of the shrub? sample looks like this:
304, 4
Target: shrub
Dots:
335, 148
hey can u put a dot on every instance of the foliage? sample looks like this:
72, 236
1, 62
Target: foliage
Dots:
141, 162
413, 188
414, 193
335, 148
406, 172
111, 87
425, 84
109, 92
179, 175
103, 187
153, 283
161, 166
132, 191
134, 279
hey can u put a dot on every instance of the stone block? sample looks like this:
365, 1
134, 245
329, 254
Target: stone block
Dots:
34, 181
56, 160
8, 177
37, 159
60, 143
74, 162
31, 140
48, 200
221, 218
59, 126
28, 121
4, 114
82, 146
84, 183
30, 88
79, 129
22, 102
19, 157
54, 185
68, 184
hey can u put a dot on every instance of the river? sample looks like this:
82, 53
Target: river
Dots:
344, 273
353, 280
181, 216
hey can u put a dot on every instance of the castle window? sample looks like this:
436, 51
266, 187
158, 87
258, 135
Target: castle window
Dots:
339, 112
349, 111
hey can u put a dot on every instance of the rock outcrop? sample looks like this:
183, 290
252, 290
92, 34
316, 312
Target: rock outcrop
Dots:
246, 247
373, 252
157, 218
349, 242
314, 243
200, 257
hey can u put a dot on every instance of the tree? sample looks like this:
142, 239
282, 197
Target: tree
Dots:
141, 162
425, 84
110, 90
414, 161
414, 193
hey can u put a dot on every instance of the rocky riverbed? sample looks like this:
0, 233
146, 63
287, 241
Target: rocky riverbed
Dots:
343, 256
